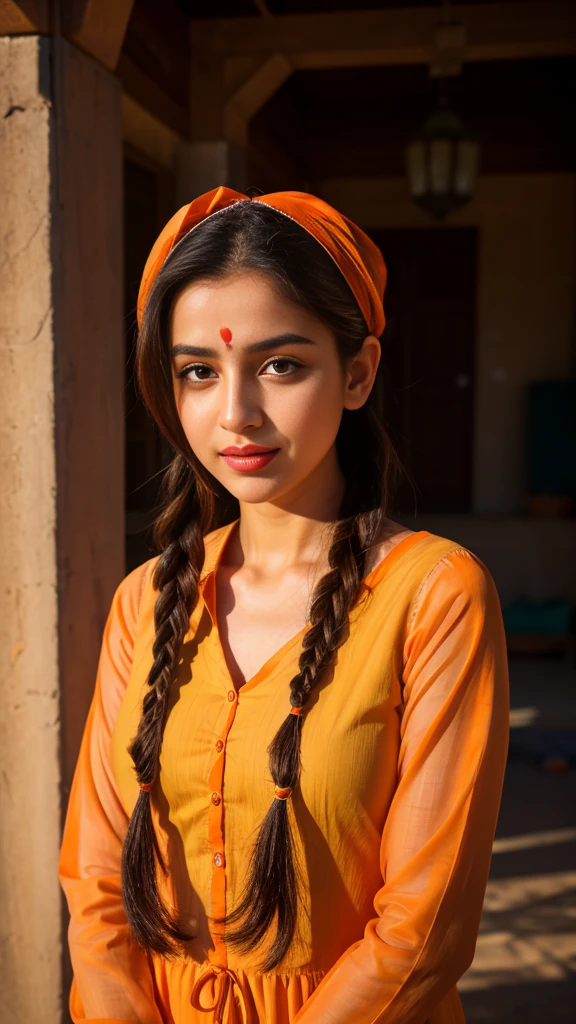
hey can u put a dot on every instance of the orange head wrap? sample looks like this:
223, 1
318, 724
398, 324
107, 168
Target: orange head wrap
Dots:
357, 257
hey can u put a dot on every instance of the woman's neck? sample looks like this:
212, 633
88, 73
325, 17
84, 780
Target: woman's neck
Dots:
296, 530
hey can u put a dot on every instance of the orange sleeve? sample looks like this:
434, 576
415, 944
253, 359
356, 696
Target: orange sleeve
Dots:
112, 981
437, 840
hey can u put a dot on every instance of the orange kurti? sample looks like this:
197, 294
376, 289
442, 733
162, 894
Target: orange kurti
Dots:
403, 751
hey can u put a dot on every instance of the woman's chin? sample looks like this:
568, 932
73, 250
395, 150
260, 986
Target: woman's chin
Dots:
254, 490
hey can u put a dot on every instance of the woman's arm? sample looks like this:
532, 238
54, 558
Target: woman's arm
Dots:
112, 980
437, 841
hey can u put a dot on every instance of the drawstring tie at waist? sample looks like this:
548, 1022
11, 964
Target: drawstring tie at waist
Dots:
229, 979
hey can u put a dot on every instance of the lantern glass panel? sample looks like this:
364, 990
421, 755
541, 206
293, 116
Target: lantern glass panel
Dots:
466, 168
441, 156
416, 162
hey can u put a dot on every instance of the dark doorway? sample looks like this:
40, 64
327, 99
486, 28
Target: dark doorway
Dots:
147, 206
429, 349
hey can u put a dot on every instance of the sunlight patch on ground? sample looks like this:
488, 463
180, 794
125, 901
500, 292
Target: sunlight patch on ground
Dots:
521, 717
507, 844
528, 932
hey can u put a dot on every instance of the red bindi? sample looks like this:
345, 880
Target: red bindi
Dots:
226, 334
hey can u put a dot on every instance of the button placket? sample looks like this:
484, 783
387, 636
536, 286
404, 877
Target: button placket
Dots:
216, 829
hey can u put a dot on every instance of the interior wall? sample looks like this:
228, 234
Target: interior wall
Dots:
526, 303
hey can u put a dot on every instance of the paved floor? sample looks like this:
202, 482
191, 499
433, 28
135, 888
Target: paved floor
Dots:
524, 971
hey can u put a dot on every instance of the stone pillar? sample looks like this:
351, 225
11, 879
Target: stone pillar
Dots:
201, 166
61, 465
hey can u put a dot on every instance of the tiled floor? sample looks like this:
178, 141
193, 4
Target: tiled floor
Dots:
524, 971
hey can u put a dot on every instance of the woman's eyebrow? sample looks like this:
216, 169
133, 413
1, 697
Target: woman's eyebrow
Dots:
257, 346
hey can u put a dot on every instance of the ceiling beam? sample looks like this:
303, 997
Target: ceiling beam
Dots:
96, 26
252, 95
25, 17
495, 31
146, 91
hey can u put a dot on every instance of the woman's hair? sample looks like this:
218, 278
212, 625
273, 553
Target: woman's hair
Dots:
247, 236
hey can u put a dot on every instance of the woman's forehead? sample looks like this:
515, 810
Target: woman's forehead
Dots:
237, 301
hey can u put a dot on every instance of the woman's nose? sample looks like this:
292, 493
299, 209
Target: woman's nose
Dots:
240, 406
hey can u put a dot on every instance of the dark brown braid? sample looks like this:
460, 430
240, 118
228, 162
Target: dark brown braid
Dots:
176, 577
247, 236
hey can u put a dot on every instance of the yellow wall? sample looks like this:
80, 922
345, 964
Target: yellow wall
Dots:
526, 303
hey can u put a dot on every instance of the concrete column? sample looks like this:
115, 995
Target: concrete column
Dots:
61, 464
30, 931
225, 95
215, 155
201, 166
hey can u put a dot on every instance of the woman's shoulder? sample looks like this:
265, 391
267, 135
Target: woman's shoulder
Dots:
129, 592
451, 577
427, 551
441, 567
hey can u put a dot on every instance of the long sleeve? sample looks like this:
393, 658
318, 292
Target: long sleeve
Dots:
112, 981
437, 840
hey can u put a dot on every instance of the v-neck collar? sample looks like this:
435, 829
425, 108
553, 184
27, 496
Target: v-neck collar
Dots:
216, 552
207, 588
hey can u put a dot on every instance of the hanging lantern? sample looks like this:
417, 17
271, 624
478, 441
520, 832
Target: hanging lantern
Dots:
442, 163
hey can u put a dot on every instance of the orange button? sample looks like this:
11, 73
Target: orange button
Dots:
219, 744
215, 798
219, 860
231, 694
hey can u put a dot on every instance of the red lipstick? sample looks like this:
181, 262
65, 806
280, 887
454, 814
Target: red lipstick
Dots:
248, 457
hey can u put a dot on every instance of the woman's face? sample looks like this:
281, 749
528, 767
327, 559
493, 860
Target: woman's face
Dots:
251, 368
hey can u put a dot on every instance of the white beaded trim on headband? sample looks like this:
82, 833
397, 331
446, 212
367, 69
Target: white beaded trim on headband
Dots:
260, 203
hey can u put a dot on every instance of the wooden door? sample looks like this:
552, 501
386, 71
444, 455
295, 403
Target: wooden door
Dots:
429, 350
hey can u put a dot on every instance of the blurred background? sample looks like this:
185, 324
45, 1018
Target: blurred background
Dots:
447, 131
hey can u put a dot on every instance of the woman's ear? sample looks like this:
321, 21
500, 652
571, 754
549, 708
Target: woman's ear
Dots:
360, 373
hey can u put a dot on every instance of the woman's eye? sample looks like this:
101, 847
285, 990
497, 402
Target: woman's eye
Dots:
282, 367
196, 374
199, 372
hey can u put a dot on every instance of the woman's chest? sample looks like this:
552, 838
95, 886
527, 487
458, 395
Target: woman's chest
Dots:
255, 621
216, 738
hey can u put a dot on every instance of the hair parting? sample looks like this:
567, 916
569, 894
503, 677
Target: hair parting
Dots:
256, 237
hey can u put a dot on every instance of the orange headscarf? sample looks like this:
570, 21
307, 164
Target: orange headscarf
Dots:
357, 257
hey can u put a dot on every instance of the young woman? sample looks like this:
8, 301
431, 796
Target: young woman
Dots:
286, 794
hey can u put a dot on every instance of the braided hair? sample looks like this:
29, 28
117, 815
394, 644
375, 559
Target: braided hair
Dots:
246, 236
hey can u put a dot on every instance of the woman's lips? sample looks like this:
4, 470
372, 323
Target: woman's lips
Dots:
253, 459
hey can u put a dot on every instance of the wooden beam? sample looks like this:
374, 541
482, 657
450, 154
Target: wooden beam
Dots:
25, 17
252, 95
148, 135
226, 94
236, 71
97, 26
499, 31
149, 95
